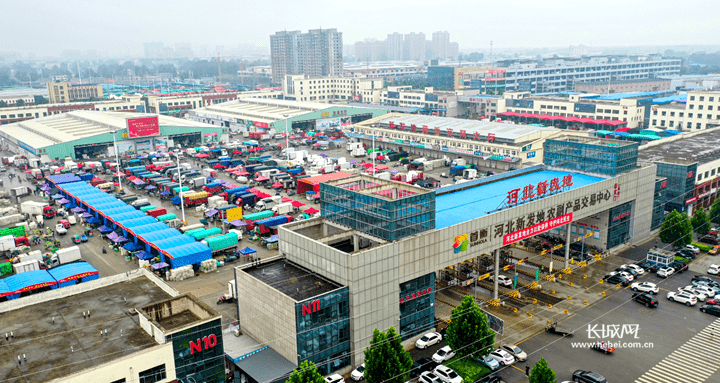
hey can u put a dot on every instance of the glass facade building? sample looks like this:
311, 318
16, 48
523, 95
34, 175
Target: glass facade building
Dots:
323, 330
659, 201
619, 225
680, 183
385, 209
207, 365
592, 155
417, 307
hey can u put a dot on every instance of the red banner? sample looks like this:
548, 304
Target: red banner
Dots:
143, 127
537, 229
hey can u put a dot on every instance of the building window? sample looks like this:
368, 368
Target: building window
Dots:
692, 98
153, 375
119, 381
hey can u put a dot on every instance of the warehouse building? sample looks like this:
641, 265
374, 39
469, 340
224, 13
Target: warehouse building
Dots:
129, 327
89, 134
384, 242
491, 146
255, 114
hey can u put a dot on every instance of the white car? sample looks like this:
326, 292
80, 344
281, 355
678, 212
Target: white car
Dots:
699, 294
503, 280
447, 375
646, 287
335, 378
692, 248
60, 229
624, 274
503, 357
714, 269
428, 340
358, 374
443, 354
637, 268
704, 290
665, 272
682, 297
429, 377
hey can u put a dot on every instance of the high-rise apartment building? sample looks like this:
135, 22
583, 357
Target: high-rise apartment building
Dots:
317, 53
414, 46
440, 44
395, 46
153, 50
371, 50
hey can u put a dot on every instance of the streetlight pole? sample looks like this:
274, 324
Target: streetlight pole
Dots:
117, 161
287, 137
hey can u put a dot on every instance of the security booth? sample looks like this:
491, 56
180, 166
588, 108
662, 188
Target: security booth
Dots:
660, 257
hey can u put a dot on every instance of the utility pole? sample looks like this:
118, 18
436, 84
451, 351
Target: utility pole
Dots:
242, 71
491, 57
79, 75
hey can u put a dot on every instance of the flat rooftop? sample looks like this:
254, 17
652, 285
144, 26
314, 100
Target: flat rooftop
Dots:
291, 279
174, 314
73, 343
471, 202
261, 109
701, 147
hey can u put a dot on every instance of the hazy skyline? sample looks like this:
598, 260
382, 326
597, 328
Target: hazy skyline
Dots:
47, 28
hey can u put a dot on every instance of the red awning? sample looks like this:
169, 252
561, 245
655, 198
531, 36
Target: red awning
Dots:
286, 199
312, 210
262, 178
276, 185
297, 204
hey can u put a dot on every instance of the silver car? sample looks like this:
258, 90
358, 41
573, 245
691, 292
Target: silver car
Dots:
515, 351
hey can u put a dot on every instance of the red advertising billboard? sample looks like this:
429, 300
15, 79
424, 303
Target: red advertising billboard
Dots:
143, 127
537, 229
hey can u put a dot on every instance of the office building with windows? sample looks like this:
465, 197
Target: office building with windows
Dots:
698, 109
62, 92
317, 53
592, 155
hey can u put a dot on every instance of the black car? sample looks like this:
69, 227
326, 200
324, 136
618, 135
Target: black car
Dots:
710, 238
680, 267
650, 267
421, 365
685, 253
628, 270
492, 378
588, 377
646, 299
703, 278
618, 279
711, 309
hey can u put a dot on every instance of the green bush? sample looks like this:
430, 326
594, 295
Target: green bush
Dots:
681, 259
702, 247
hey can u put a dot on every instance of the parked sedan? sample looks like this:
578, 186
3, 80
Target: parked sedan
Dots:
645, 287
637, 268
715, 250
649, 267
699, 294
683, 297
711, 285
334, 378
428, 340
692, 248
588, 377
713, 269
623, 273
665, 272
645, 299
515, 351
443, 354
487, 361
503, 280
358, 374
713, 301
429, 377
711, 309
447, 375
618, 280
422, 365
503, 357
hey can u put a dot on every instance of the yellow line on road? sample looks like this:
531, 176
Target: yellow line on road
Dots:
516, 367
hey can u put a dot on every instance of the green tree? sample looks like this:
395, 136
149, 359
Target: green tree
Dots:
541, 373
306, 372
20, 102
700, 221
676, 229
468, 332
715, 211
386, 361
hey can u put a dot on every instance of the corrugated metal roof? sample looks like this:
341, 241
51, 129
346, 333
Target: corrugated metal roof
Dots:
265, 366
71, 269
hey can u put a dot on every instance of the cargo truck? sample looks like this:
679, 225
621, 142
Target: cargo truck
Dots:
29, 265
158, 211
191, 198
231, 296
64, 256
37, 208
11, 219
213, 187
283, 208
264, 225
223, 243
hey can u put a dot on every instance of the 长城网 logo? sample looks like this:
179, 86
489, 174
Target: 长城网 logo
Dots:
461, 243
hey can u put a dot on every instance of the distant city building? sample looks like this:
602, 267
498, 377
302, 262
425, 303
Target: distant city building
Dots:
333, 89
637, 85
489, 81
395, 46
562, 74
678, 82
317, 53
701, 111
153, 50
62, 92
129, 103
387, 70
178, 106
442, 47
371, 50
414, 46
439, 103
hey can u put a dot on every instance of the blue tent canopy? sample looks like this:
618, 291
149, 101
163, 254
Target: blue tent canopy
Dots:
175, 241
247, 251
144, 229
160, 234
69, 270
144, 255
165, 193
146, 220
132, 246
104, 229
190, 254
93, 220
272, 239
150, 187
17, 282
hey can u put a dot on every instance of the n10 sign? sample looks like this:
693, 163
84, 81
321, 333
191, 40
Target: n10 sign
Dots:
143, 126
209, 342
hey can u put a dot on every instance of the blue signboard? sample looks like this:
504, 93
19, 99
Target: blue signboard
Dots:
531, 154
26, 147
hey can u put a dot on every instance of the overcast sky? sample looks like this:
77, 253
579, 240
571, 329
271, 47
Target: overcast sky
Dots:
51, 26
